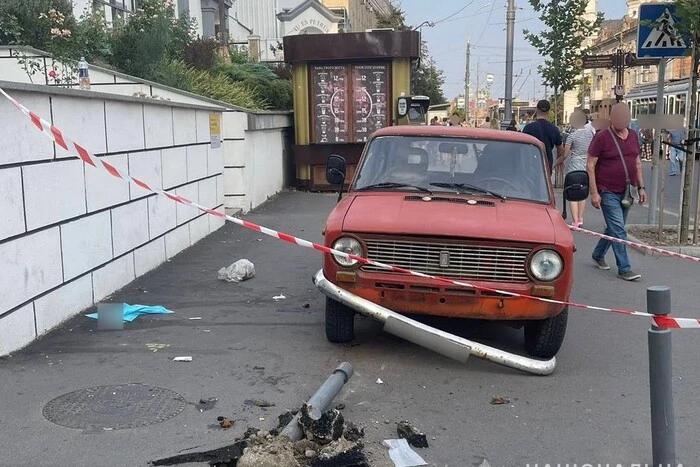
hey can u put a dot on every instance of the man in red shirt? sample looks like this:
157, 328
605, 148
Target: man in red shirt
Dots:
608, 182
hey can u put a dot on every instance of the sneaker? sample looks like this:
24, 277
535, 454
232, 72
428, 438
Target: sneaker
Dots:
629, 276
601, 264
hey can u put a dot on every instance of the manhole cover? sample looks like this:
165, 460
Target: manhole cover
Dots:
114, 407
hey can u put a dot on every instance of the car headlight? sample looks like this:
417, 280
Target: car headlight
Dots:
546, 265
347, 245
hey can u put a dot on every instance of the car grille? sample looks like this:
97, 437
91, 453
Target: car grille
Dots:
475, 262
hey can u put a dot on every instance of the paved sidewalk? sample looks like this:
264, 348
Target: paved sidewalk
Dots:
593, 409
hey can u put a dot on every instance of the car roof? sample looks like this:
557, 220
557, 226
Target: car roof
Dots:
458, 132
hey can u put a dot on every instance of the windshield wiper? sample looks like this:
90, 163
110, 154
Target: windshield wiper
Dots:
468, 187
393, 185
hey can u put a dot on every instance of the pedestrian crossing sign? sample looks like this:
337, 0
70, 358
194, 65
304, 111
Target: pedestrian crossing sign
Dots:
658, 35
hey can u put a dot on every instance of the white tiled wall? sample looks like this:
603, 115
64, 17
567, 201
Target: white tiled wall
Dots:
88, 234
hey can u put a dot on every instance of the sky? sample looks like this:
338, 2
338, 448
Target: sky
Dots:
484, 22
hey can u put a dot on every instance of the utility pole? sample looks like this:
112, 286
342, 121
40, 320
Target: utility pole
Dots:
476, 119
510, 32
467, 110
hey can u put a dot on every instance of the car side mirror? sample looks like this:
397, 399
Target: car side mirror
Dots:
335, 170
576, 186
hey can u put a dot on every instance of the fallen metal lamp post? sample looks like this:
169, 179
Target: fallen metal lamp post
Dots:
429, 337
320, 401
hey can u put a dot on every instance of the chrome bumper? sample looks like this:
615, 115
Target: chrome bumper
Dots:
426, 336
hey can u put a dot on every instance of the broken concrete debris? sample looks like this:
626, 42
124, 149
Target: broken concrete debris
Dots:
224, 422
411, 434
498, 400
239, 271
330, 427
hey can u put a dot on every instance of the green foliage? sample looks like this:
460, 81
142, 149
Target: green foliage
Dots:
426, 79
151, 37
562, 40
245, 71
26, 22
177, 74
395, 18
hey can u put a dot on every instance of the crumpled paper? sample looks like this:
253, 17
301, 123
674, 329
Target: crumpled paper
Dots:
131, 312
401, 453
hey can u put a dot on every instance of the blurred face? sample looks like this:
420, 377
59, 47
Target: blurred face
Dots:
578, 120
620, 116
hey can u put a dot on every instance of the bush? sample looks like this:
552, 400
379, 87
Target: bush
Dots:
244, 71
151, 37
26, 22
200, 54
277, 91
178, 75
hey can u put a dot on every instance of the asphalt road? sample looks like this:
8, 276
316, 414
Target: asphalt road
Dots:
593, 409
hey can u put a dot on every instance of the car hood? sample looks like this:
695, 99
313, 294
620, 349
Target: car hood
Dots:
392, 213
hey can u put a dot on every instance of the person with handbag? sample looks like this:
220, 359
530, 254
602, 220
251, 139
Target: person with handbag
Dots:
616, 179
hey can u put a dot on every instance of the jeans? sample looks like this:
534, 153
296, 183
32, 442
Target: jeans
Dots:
615, 219
677, 156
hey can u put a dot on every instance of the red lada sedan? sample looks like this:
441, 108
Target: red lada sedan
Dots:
468, 204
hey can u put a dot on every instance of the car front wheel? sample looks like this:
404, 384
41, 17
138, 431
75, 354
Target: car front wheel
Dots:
543, 338
340, 322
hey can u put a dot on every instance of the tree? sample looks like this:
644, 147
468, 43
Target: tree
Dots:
426, 79
562, 43
689, 26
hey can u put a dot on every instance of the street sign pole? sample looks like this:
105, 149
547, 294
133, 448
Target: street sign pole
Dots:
656, 159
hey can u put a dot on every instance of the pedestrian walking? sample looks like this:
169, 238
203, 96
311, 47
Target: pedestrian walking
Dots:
513, 126
575, 157
677, 156
647, 143
495, 124
543, 130
486, 123
615, 173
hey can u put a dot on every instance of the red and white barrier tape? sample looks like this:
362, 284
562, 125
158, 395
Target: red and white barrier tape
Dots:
67, 144
635, 244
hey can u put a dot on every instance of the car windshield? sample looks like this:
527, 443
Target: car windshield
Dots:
465, 165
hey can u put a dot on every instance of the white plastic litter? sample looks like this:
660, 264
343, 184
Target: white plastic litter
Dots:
401, 453
239, 271
182, 359
279, 297
379, 381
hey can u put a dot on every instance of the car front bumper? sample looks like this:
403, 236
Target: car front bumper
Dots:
426, 336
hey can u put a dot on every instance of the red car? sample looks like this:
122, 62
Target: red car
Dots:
469, 204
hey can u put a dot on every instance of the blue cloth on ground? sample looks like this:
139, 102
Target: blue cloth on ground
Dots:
131, 312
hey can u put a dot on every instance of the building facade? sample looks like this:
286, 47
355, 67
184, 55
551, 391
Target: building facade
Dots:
622, 35
260, 24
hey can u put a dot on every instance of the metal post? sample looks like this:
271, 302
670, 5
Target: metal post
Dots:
663, 436
476, 110
320, 401
467, 110
510, 32
655, 166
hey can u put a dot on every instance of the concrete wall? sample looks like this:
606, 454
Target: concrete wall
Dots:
257, 158
252, 143
71, 234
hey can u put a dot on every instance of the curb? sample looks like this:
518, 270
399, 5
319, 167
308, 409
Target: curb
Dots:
689, 250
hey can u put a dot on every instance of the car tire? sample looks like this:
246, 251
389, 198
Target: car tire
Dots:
543, 338
340, 322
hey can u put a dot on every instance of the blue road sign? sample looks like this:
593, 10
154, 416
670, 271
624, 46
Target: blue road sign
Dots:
657, 33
